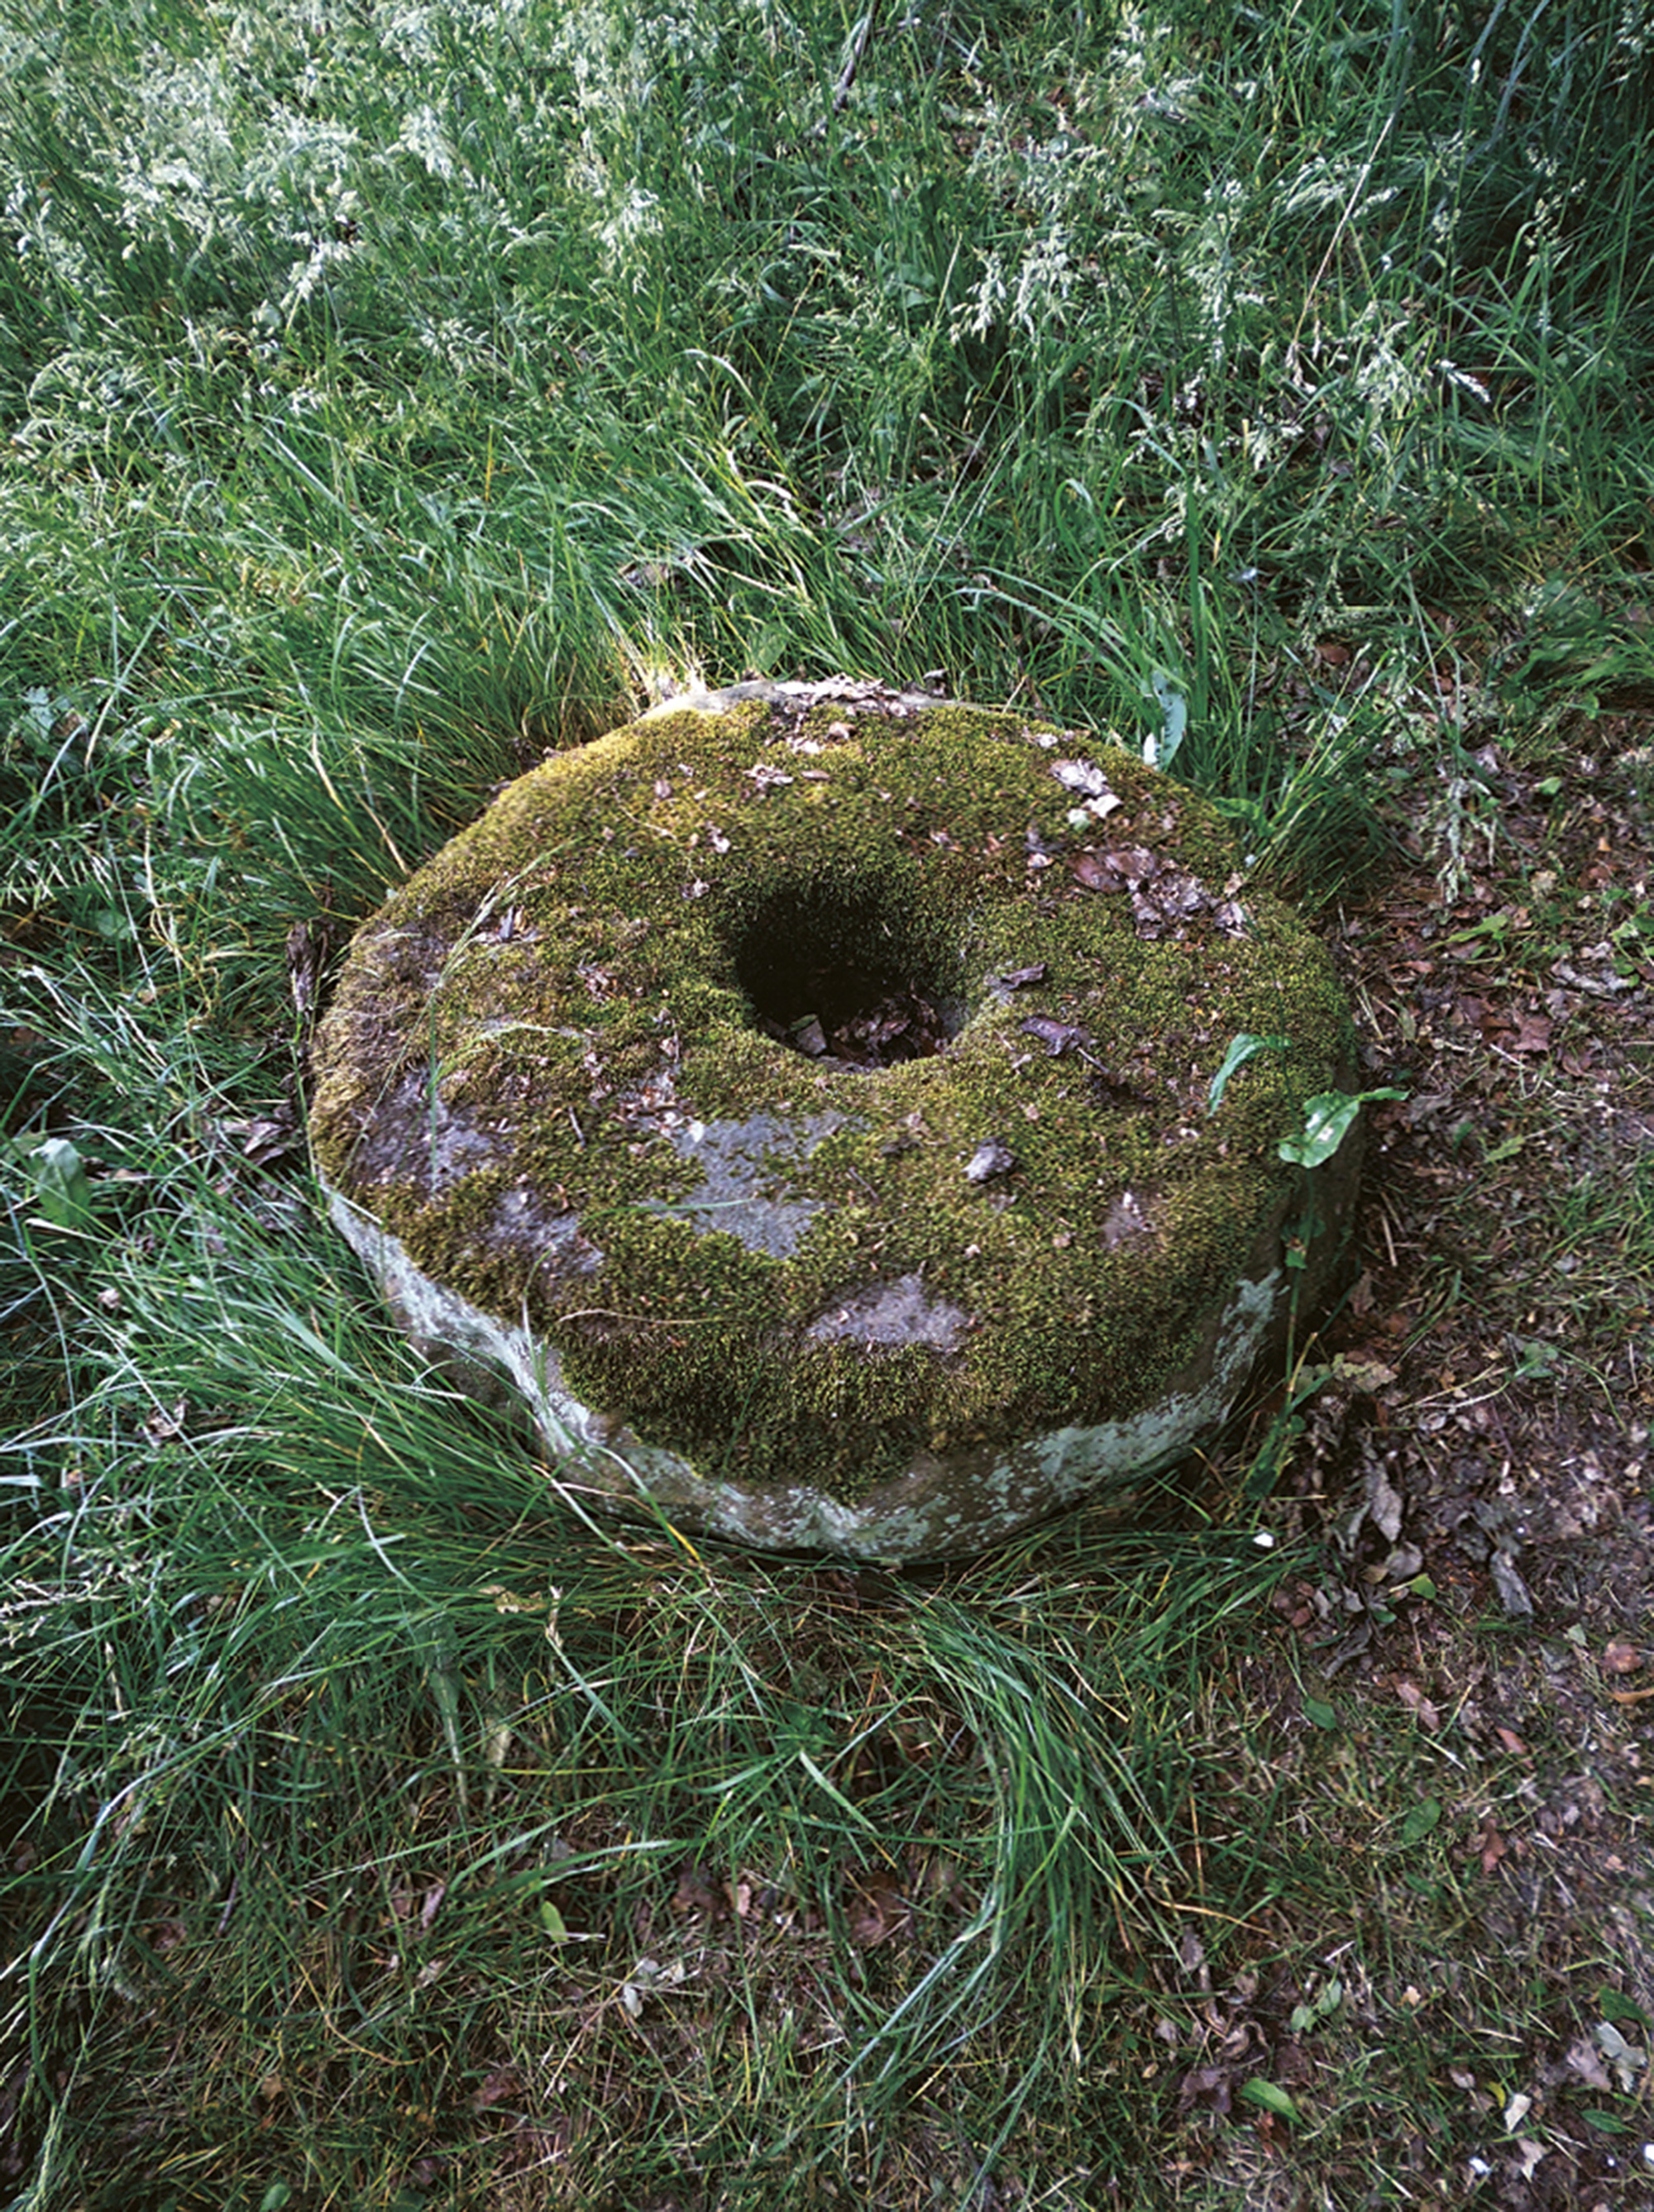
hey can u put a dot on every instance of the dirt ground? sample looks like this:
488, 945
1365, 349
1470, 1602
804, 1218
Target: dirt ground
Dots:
1488, 1425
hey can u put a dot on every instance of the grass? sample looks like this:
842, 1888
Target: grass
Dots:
391, 397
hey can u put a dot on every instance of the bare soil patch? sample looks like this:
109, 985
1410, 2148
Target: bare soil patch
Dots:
1479, 1467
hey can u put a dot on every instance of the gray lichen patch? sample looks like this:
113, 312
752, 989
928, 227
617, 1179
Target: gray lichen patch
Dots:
747, 1170
556, 1074
892, 1314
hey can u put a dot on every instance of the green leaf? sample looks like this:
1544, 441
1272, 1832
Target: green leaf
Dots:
1174, 717
1242, 1048
1327, 1120
1323, 1716
1538, 1362
61, 1188
1421, 1820
1608, 2123
1321, 2007
552, 1921
1613, 2005
1257, 2091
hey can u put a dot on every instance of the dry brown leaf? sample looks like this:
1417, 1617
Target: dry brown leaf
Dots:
695, 1894
1384, 1503
1584, 2060
1095, 871
1489, 1846
878, 1911
163, 1424
1208, 2085
504, 2081
1417, 1704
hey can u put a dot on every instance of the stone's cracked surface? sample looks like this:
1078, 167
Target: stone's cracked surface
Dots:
763, 1290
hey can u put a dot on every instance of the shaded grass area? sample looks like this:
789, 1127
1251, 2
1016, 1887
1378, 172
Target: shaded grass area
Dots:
391, 397
355, 1796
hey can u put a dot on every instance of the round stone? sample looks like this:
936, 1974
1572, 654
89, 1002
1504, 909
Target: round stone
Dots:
821, 1109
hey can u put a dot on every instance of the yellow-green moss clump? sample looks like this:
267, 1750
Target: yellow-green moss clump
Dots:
563, 1072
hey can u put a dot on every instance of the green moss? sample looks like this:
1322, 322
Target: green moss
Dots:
527, 1031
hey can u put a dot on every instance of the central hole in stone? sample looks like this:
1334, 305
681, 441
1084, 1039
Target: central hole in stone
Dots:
840, 980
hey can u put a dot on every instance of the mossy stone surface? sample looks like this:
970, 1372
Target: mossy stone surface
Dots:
894, 1307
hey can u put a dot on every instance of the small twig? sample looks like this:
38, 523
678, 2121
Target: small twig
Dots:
847, 75
641, 1321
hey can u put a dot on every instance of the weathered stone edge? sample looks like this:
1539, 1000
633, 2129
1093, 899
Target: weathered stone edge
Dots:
938, 1509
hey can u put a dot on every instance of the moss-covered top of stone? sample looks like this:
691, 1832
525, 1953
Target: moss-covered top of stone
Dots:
553, 1069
